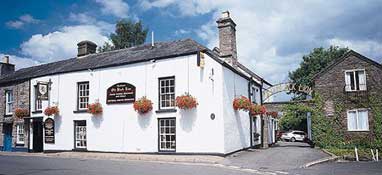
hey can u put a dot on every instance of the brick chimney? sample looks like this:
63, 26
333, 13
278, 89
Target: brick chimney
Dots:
86, 48
227, 38
6, 67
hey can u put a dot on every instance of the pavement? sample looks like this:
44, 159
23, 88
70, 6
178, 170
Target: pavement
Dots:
285, 156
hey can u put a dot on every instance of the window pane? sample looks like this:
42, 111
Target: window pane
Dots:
352, 120
363, 121
362, 80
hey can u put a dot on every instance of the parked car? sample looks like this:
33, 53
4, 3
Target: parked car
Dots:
294, 136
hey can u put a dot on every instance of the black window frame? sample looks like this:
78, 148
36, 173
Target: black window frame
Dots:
159, 134
35, 100
171, 108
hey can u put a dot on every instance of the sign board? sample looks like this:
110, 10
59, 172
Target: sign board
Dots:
42, 91
286, 87
49, 130
120, 93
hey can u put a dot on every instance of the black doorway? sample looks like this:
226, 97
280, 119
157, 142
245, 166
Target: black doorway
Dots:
37, 135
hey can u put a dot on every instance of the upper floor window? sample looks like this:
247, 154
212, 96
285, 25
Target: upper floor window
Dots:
167, 92
37, 102
358, 120
355, 80
83, 95
8, 102
254, 95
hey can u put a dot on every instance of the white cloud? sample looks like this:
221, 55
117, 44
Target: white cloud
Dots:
182, 32
61, 44
371, 49
20, 62
118, 8
23, 20
272, 36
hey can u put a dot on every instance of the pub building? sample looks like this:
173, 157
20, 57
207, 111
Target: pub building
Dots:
160, 71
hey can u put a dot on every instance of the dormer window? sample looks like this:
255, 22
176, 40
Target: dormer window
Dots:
355, 80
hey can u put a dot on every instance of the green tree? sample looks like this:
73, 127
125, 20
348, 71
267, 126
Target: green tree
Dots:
313, 63
127, 34
106, 47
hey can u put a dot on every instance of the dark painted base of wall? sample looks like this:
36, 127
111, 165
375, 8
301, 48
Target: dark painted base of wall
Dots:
15, 149
152, 153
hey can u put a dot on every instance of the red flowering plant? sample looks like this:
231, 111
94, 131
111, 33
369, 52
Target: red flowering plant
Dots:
274, 114
21, 113
241, 103
53, 110
143, 105
95, 108
257, 110
186, 101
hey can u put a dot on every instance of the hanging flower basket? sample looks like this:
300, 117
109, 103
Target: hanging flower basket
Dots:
21, 113
53, 110
143, 105
186, 101
274, 114
95, 108
241, 103
257, 110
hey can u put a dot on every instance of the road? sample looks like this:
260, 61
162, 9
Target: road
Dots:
20, 165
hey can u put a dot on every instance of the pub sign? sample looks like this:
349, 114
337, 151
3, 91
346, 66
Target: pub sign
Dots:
120, 93
42, 91
49, 130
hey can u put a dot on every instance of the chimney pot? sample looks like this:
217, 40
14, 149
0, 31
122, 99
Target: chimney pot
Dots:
227, 38
86, 47
6, 67
225, 14
6, 59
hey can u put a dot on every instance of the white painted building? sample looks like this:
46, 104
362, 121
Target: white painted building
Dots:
213, 127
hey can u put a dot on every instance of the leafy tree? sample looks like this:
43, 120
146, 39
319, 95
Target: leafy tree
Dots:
106, 47
127, 34
313, 63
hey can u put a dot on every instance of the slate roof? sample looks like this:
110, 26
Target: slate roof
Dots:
107, 59
346, 55
136, 54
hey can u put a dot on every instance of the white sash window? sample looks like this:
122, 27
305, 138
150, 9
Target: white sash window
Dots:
8, 102
355, 80
358, 120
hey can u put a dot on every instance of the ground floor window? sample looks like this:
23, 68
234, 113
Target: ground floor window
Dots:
167, 135
358, 120
80, 134
20, 133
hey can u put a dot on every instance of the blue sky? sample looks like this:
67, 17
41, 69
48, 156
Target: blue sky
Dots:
272, 35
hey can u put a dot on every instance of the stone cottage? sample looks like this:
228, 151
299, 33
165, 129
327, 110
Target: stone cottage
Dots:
352, 87
13, 95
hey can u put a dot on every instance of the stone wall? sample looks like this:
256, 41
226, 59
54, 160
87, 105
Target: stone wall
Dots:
21, 100
331, 86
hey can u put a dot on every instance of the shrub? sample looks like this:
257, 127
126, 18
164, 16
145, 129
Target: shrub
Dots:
143, 105
186, 101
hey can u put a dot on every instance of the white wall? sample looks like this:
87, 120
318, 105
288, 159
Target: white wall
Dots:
236, 123
120, 128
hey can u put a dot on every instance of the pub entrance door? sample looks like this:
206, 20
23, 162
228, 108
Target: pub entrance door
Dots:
37, 135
